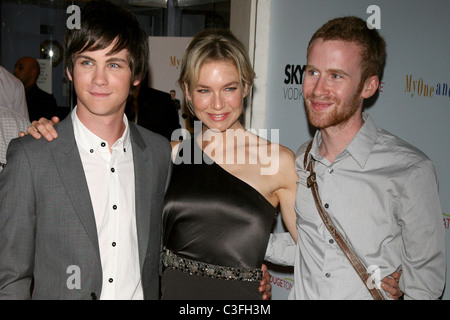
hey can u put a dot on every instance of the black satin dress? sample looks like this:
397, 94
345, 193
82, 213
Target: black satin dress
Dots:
213, 217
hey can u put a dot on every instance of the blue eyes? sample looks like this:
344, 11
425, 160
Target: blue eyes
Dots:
230, 89
90, 63
333, 76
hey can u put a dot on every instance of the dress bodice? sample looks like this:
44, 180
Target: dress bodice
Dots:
214, 217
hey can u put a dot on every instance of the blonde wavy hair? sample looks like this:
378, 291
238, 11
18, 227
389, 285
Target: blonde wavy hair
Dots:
214, 45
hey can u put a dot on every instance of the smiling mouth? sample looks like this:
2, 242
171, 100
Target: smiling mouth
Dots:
320, 105
218, 117
99, 94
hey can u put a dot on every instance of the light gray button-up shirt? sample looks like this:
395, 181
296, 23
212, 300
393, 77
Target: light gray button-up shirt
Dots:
11, 123
382, 195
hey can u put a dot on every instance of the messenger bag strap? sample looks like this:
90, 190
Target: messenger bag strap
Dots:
351, 256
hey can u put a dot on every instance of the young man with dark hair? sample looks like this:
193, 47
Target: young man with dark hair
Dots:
82, 215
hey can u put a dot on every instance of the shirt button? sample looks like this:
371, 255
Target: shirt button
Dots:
103, 144
331, 241
327, 275
326, 205
110, 280
91, 151
114, 207
113, 244
113, 170
331, 170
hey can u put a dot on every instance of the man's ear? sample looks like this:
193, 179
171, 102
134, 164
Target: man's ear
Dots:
370, 87
68, 74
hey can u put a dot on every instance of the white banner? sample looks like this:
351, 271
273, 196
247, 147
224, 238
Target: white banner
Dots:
44, 80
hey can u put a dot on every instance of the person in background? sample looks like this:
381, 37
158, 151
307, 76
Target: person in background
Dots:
11, 122
176, 101
380, 191
153, 109
40, 103
13, 111
12, 93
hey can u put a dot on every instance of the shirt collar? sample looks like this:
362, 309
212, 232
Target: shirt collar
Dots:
92, 143
359, 148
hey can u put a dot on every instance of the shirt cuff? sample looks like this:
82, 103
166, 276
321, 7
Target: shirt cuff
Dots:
281, 249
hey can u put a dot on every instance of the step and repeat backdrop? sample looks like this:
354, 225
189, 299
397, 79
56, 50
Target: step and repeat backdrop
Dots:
413, 101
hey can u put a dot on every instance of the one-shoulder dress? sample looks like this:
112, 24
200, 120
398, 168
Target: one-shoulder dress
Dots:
216, 231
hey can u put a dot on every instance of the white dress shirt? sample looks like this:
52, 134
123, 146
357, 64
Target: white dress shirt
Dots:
110, 178
382, 195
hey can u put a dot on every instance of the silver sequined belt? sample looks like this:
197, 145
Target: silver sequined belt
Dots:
174, 262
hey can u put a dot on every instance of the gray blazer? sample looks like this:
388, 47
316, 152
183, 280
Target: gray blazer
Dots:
47, 222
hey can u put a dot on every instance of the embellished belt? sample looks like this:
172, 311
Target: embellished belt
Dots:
174, 262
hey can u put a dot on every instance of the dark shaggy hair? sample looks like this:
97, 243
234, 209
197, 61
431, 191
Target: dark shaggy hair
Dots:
103, 23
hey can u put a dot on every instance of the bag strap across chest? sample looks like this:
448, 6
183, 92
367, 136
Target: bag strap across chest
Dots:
351, 256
